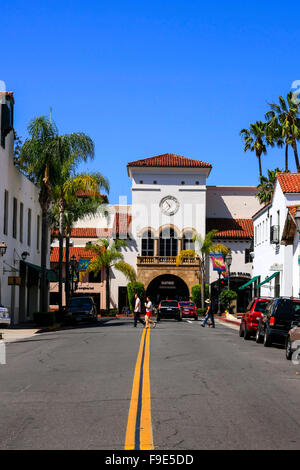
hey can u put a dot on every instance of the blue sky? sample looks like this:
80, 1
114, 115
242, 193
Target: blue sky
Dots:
145, 78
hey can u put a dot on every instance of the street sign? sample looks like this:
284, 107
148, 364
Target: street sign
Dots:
14, 281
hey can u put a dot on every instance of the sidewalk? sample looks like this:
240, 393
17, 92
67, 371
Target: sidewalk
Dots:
19, 332
228, 318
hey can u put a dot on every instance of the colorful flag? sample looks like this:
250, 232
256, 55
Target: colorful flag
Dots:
217, 262
83, 264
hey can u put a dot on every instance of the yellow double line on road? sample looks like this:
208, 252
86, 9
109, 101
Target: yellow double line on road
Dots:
139, 426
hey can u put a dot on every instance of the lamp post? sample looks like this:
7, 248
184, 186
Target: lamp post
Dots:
73, 263
219, 293
228, 261
297, 220
3, 248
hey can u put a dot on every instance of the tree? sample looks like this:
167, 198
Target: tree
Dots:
283, 119
108, 256
266, 186
197, 296
135, 288
256, 140
77, 207
41, 165
226, 297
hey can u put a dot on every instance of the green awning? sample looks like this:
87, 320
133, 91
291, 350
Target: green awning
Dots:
51, 275
268, 279
248, 283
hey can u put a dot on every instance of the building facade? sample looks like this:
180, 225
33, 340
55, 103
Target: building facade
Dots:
20, 226
276, 241
171, 202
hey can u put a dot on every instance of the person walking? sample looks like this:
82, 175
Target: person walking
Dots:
149, 310
138, 311
209, 314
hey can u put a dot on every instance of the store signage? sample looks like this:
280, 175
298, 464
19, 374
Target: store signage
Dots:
14, 281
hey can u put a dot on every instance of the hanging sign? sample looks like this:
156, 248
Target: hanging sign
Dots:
83, 264
217, 262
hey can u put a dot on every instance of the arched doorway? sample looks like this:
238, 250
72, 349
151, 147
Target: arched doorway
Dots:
243, 296
167, 286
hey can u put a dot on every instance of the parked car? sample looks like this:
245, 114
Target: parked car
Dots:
169, 309
81, 309
188, 310
250, 319
293, 335
276, 322
4, 316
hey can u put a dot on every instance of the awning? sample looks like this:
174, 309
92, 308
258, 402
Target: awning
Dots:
248, 283
51, 275
268, 279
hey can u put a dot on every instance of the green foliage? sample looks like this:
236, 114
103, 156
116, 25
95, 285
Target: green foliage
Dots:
135, 288
196, 294
185, 254
266, 186
111, 313
226, 297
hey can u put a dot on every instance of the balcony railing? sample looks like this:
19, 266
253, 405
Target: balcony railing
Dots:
165, 260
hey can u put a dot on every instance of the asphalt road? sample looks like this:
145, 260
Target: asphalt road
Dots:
210, 389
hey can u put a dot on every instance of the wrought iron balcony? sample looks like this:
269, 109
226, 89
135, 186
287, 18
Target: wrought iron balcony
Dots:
165, 260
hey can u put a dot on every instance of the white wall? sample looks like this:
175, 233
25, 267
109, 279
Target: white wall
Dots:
237, 202
24, 191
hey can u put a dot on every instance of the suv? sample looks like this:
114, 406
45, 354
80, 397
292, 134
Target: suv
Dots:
81, 309
169, 309
250, 319
276, 322
188, 309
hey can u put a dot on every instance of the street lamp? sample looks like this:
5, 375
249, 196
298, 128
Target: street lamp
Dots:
73, 265
3, 248
228, 261
297, 220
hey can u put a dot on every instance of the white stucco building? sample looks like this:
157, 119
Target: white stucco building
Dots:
275, 263
20, 226
170, 203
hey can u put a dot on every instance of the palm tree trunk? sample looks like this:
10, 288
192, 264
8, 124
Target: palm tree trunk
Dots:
107, 289
294, 145
259, 164
61, 247
44, 256
67, 274
286, 157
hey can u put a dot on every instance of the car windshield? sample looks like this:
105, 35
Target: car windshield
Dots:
261, 306
81, 303
187, 304
169, 303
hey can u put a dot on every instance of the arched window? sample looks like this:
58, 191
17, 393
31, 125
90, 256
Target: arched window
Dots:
187, 241
147, 244
168, 242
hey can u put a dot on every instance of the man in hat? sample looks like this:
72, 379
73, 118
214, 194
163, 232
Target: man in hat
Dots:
209, 314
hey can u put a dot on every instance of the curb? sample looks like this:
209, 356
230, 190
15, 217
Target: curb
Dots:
234, 322
48, 328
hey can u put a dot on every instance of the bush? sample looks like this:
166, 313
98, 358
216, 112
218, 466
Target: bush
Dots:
201, 311
135, 288
226, 297
111, 313
196, 294
44, 318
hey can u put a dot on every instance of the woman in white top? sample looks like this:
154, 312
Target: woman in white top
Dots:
149, 309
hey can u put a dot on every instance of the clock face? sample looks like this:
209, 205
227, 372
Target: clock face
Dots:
169, 205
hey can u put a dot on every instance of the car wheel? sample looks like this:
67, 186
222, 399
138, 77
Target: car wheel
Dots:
258, 337
196, 318
246, 333
288, 350
241, 331
267, 340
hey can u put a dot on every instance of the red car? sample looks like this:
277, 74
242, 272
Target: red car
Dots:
250, 319
188, 310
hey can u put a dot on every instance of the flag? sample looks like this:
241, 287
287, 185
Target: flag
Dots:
217, 262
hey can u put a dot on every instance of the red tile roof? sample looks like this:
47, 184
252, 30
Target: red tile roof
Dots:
81, 232
289, 182
231, 228
82, 193
169, 160
78, 251
293, 209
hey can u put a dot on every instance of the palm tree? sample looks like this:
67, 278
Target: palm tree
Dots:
77, 207
40, 163
108, 256
203, 246
266, 186
256, 140
285, 117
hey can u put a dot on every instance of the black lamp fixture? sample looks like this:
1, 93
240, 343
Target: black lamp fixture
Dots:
73, 261
3, 248
24, 255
